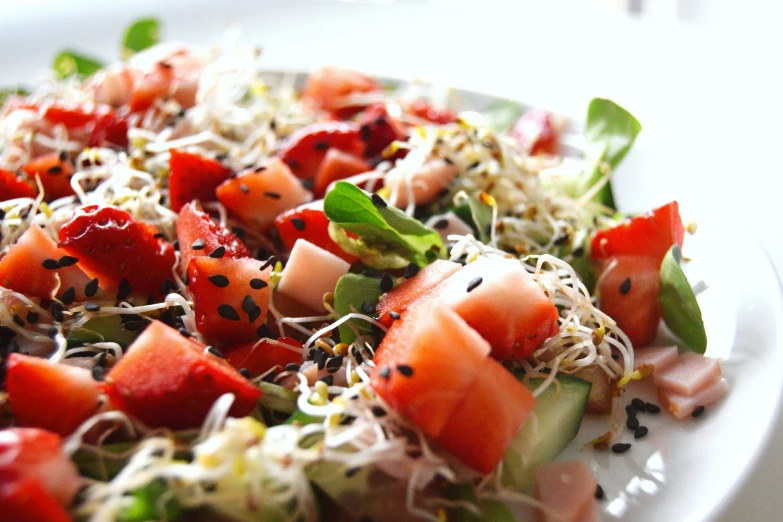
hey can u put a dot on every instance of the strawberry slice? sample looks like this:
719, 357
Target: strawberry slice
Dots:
193, 177
260, 357
307, 147
13, 186
194, 225
168, 380
55, 397
309, 222
109, 130
112, 246
230, 296
36, 455
34, 263
55, 172
378, 130
25, 499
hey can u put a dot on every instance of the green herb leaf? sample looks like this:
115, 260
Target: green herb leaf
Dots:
491, 510
146, 505
142, 34
610, 132
277, 398
388, 238
12, 91
679, 307
502, 114
68, 63
353, 290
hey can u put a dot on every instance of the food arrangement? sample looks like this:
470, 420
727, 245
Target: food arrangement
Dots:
225, 297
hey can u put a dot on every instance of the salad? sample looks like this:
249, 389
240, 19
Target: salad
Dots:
227, 295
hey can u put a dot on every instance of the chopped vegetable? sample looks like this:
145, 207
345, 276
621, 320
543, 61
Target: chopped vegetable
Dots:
69, 63
140, 35
679, 307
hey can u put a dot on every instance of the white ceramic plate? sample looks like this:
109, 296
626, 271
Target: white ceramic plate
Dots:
683, 471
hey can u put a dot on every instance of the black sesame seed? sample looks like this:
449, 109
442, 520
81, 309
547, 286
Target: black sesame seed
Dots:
630, 410
328, 379
319, 357
599, 492
50, 264
406, 370
244, 372
292, 367
364, 132
238, 231
253, 314
258, 284
218, 280
91, 288
378, 411
561, 240
214, 351
52, 331
63, 156
625, 286
640, 432
474, 283
394, 315
159, 235
298, 223
379, 202
335, 362
632, 423
698, 412
269, 377
218, 252
184, 333
652, 408
350, 472
2, 213
32, 317
57, 311
620, 447
67, 261
578, 252
92, 307
18, 320
387, 283
124, 290
244, 188
198, 244
385, 372
368, 308
263, 331
321, 145
638, 404
98, 372
248, 304
69, 296
273, 195
227, 312
358, 356
176, 245
55, 170
411, 270
474, 165
269, 262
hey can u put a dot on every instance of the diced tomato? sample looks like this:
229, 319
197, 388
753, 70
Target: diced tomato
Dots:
567, 489
307, 147
13, 186
72, 117
378, 130
426, 111
414, 290
25, 499
193, 177
536, 134
503, 303
167, 380
230, 296
22, 270
193, 224
628, 292
112, 245
492, 412
426, 364
259, 195
337, 165
34, 454
55, 172
649, 234
327, 88
309, 222
261, 356
55, 397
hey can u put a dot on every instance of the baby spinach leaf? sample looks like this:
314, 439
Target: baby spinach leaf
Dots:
353, 290
141, 34
679, 307
69, 63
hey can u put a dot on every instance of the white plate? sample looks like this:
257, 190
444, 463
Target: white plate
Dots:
683, 471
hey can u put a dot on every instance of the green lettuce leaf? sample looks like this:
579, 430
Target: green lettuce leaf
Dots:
69, 63
353, 290
141, 34
679, 307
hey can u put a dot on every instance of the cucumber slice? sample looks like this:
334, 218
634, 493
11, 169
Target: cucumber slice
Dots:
559, 416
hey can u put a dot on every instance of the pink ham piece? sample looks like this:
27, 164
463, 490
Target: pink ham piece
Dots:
691, 373
681, 406
656, 358
567, 489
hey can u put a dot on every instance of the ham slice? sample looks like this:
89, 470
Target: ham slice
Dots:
691, 373
681, 406
656, 358
568, 490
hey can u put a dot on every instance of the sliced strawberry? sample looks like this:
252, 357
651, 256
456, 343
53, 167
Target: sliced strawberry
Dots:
55, 172
230, 296
111, 245
28, 267
33, 454
337, 165
25, 499
328, 88
193, 177
109, 130
258, 195
70, 116
55, 397
536, 133
309, 222
168, 380
13, 186
194, 225
378, 130
261, 356
307, 147
426, 111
